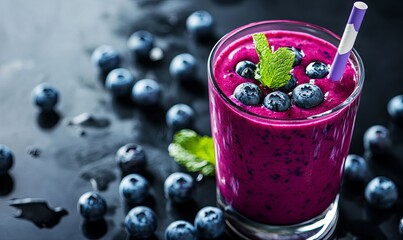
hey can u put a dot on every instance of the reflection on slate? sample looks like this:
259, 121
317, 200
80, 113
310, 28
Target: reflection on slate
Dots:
48, 120
94, 230
6, 184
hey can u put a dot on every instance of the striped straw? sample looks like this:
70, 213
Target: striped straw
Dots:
347, 41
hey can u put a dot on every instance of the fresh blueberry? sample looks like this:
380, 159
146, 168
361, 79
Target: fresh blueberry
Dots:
209, 222
180, 230
246, 69
179, 187
131, 157
377, 140
6, 159
183, 67
298, 56
146, 92
92, 206
355, 168
316, 70
307, 95
141, 43
277, 101
290, 84
134, 188
45, 96
141, 222
248, 93
395, 108
401, 226
120, 82
179, 116
106, 58
200, 24
381, 192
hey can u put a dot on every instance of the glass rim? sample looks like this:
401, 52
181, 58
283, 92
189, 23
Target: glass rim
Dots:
333, 111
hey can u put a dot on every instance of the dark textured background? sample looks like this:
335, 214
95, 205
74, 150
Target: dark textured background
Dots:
49, 40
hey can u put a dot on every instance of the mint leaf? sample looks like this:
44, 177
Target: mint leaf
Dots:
273, 69
193, 151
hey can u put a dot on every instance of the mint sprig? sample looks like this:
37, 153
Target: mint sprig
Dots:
273, 69
194, 152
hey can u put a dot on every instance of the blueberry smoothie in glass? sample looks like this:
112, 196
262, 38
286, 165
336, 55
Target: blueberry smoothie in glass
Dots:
280, 151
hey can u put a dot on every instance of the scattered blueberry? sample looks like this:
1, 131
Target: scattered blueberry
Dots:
179, 116
316, 70
45, 96
290, 84
401, 226
92, 206
395, 108
134, 188
355, 168
248, 93
180, 230
6, 159
141, 222
141, 43
146, 92
246, 69
183, 67
381, 192
209, 222
106, 58
277, 101
307, 95
200, 24
377, 140
120, 82
298, 56
131, 157
179, 187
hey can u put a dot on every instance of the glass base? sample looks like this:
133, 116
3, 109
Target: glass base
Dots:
320, 227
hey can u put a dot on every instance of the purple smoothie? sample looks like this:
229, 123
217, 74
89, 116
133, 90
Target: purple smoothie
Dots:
280, 168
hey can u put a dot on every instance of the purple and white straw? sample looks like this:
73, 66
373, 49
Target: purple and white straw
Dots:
347, 41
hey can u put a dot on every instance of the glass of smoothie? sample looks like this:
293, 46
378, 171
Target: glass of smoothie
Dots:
279, 171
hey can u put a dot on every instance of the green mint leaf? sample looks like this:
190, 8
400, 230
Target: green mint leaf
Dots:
194, 152
273, 69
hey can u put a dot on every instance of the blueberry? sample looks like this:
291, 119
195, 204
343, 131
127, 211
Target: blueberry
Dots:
209, 222
141, 222
248, 93
106, 58
307, 95
120, 82
180, 230
179, 187
290, 84
183, 67
200, 24
377, 140
92, 206
179, 116
131, 157
6, 159
395, 108
146, 92
141, 43
45, 96
381, 192
316, 70
246, 69
401, 226
298, 56
277, 101
355, 168
134, 188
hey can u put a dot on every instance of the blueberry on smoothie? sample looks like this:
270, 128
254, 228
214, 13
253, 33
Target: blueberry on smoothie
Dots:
277, 101
200, 24
92, 206
290, 84
106, 58
6, 159
248, 93
355, 168
120, 82
377, 140
316, 70
179, 116
183, 67
141, 222
246, 69
141, 43
134, 188
180, 230
45, 97
131, 157
179, 187
381, 192
146, 92
209, 222
307, 95
395, 108
298, 56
